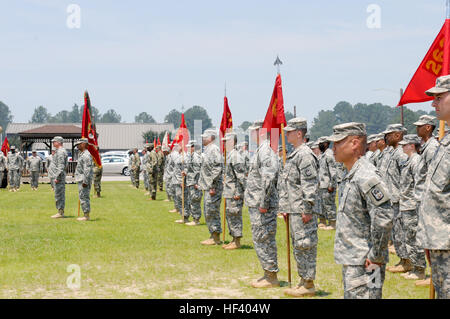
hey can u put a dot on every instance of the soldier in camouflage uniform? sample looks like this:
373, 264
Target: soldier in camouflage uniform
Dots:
166, 174
327, 185
179, 182
136, 167
391, 168
372, 149
364, 219
161, 162
34, 166
211, 182
3, 166
57, 174
261, 197
434, 220
144, 168
14, 162
233, 190
243, 150
385, 150
169, 173
298, 190
98, 173
48, 161
130, 163
408, 207
83, 177
193, 164
151, 168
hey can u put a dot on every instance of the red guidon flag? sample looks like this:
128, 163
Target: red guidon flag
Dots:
182, 136
275, 115
88, 131
434, 65
227, 122
159, 142
5, 147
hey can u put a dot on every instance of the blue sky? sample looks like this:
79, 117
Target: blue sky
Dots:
152, 56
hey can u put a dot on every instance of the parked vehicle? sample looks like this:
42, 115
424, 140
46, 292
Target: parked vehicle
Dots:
115, 165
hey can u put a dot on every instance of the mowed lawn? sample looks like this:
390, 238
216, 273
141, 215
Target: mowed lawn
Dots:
133, 249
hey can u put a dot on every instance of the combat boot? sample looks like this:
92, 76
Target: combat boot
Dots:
60, 214
213, 240
388, 268
172, 211
195, 222
147, 193
166, 200
181, 221
404, 266
269, 280
154, 196
235, 244
304, 288
417, 274
322, 223
423, 283
84, 218
332, 225
98, 195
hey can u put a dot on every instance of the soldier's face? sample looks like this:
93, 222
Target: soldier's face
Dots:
441, 103
293, 137
344, 149
229, 144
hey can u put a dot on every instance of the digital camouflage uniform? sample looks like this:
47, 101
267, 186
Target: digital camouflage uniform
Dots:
193, 165
168, 175
83, 176
373, 158
144, 171
130, 163
3, 166
15, 164
327, 178
151, 168
234, 185
161, 162
390, 169
364, 223
136, 168
179, 185
57, 171
427, 151
261, 191
298, 189
48, 161
34, 165
98, 173
409, 213
211, 177
384, 156
434, 218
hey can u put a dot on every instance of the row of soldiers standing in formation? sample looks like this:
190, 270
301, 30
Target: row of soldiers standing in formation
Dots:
387, 192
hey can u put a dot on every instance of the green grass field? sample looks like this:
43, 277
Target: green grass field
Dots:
133, 249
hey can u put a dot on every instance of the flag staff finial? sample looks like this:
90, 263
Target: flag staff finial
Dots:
225, 88
278, 62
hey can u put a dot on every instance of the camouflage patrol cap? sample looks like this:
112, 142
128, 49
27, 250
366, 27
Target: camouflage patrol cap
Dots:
191, 143
81, 141
256, 125
442, 86
58, 139
165, 149
391, 128
410, 139
309, 144
314, 145
322, 139
150, 145
209, 132
372, 138
295, 124
426, 119
341, 131
229, 136
380, 136
12, 147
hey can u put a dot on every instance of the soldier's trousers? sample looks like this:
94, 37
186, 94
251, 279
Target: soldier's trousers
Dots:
360, 284
195, 199
146, 186
1, 177
440, 272
328, 203
416, 254
211, 209
60, 193
132, 178
179, 201
264, 230
398, 233
98, 181
136, 174
160, 180
34, 179
83, 193
169, 191
304, 243
14, 178
152, 184
234, 216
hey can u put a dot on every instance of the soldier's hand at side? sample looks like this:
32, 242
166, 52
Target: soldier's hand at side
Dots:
237, 197
84, 185
369, 262
196, 186
183, 173
330, 189
212, 192
262, 210
306, 218
56, 181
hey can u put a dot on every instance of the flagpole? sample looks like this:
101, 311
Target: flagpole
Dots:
224, 200
283, 143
